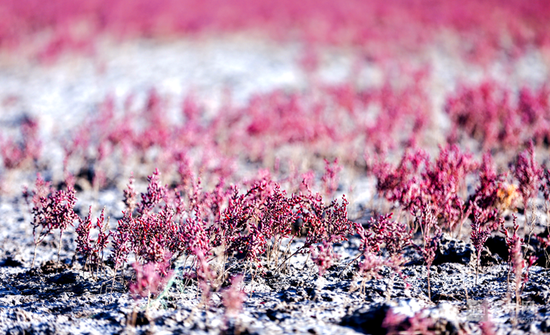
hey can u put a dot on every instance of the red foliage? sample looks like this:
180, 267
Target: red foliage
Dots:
385, 235
431, 235
330, 178
487, 192
486, 112
52, 209
416, 183
484, 223
528, 173
516, 261
443, 181
401, 184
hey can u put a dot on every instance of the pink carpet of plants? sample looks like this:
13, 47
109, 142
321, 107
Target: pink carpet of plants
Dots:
222, 198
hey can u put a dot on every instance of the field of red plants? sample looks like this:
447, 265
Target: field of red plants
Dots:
258, 167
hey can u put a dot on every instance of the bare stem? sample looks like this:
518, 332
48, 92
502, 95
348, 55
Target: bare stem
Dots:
289, 257
350, 263
429, 286
34, 255
59, 247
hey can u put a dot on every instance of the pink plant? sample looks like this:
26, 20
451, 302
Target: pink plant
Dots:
431, 235
385, 235
515, 259
486, 112
528, 173
487, 327
121, 240
487, 193
443, 182
193, 235
155, 193
92, 249
401, 184
330, 178
154, 231
83, 243
238, 232
323, 256
150, 279
130, 196
233, 297
484, 223
150, 235
52, 210
416, 183
154, 234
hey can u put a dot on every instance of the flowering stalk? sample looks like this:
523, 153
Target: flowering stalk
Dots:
484, 222
516, 262
431, 235
88, 248
528, 173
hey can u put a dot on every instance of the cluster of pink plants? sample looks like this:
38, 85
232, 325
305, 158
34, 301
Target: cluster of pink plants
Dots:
259, 132
417, 183
201, 212
498, 117
251, 219
168, 223
164, 224
203, 204
434, 194
368, 123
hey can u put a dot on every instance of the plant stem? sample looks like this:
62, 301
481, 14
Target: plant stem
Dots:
34, 255
287, 258
429, 287
59, 247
